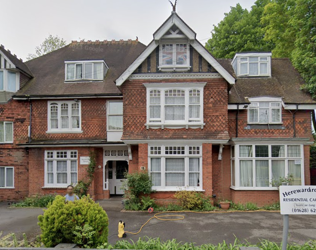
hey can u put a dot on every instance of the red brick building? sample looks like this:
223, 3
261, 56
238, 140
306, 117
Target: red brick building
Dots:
227, 128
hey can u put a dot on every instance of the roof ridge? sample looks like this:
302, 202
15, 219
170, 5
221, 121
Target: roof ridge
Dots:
113, 41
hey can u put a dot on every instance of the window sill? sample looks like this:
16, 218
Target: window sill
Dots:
6, 142
170, 68
174, 125
55, 187
175, 189
7, 187
254, 188
64, 132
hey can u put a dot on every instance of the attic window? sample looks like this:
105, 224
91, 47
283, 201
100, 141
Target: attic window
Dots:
174, 57
87, 70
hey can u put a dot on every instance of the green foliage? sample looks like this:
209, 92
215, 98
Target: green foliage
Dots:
84, 235
10, 240
245, 207
240, 30
278, 182
61, 219
81, 188
275, 206
38, 201
193, 200
147, 202
50, 44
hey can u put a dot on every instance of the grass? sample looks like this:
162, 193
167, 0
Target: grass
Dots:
38, 201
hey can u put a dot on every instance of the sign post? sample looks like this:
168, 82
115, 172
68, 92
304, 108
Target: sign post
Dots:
296, 200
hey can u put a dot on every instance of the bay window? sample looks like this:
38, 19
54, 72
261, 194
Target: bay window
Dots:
85, 70
64, 116
180, 106
265, 113
174, 167
61, 168
258, 166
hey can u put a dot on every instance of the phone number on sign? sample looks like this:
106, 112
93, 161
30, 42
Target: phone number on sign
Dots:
303, 210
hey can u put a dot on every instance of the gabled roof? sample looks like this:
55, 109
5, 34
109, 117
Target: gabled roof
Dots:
285, 82
18, 63
174, 19
49, 69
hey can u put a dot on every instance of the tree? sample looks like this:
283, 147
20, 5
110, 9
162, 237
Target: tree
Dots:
240, 31
50, 44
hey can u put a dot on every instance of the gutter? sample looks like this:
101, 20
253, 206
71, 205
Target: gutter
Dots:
82, 96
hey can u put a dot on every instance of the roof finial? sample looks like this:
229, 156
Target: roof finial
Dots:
174, 6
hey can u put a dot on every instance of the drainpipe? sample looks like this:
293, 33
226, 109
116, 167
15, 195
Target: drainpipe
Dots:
237, 119
30, 126
294, 129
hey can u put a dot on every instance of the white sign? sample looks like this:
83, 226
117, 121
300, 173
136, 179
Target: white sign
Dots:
84, 160
298, 199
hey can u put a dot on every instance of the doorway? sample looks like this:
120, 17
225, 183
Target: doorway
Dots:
116, 174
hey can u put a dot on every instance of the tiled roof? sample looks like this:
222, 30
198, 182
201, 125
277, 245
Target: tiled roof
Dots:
49, 69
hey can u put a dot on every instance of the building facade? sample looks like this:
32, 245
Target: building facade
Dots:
227, 128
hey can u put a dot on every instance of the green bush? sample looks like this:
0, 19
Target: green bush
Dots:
62, 219
245, 207
38, 201
147, 202
192, 200
275, 206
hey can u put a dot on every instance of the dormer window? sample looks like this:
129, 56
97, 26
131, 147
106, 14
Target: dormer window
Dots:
85, 70
9, 78
252, 64
174, 57
265, 110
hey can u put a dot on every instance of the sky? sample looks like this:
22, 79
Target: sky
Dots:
26, 23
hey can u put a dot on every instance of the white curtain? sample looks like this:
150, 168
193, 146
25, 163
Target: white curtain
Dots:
246, 174
54, 115
253, 115
263, 68
64, 116
50, 172
175, 113
245, 151
73, 172
115, 122
194, 111
1, 132
11, 82
262, 173
78, 71
8, 132
98, 71
253, 68
155, 112
75, 115
233, 173
175, 165
174, 109
61, 171
70, 71
9, 177
295, 170
156, 167
278, 170
276, 115
1, 80
88, 71
194, 167
2, 177
115, 108
294, 151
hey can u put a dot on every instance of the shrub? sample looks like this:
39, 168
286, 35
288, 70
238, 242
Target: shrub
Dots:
147, 202
61, 219
38, 201
192, 200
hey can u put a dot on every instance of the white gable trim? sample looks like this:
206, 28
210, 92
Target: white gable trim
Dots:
3, 56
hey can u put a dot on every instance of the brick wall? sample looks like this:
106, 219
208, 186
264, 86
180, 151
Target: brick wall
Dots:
215, 113
260, 198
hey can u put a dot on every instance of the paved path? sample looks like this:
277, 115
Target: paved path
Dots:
198, 228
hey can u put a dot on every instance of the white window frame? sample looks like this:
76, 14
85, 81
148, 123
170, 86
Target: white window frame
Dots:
286, 159
186, 156
83, 63
54, 159
174, 65
256, 105
4, 132
163, 88
59, 129
108, 115
5, 179
6, 79
259, 62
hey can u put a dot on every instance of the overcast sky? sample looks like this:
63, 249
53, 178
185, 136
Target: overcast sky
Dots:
26, 23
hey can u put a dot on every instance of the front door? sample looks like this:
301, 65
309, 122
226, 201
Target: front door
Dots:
117, 170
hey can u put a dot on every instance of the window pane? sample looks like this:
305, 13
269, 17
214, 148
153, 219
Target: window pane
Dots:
276, 115
262, 173
64, 116
246, 174
175, 97
1, 132
73, 166
253, 69
88, 71
70, 71
253, 59
156, 179
167, 54
294, 151
155, 112
9, 132
175, 179
263, 68
233, 173
78, 71
75, 115
1, 80
194, 111
262, 151
155, 164
295, 170
278, 151
62, 172
98, 71
253, 115
54, 116
11, 81
194, 96
9, 177
244, 68
194, 179
175, 164
175, 113
73, 178
194, 165
263, 115
181, 54
278, 170
115, 123
245, 151
115, 108
2, 180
